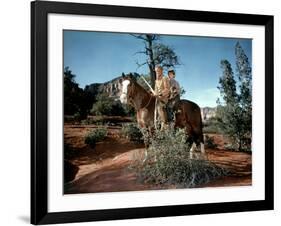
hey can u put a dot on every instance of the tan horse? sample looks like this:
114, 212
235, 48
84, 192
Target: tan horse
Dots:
188, 116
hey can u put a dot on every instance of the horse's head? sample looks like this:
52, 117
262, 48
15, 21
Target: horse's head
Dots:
127, 84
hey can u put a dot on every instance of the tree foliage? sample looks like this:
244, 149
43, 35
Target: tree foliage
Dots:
157, 54
108, 106
95, 136
76, 101
235, 113
244, 72
165, 56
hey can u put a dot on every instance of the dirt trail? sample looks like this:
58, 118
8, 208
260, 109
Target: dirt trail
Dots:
107, 167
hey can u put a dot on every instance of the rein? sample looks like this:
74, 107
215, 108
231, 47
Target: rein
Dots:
132, 100
147, 103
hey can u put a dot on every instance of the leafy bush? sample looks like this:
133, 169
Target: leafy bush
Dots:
95, 136
210, 142
102, 107
211, 126
77, 116
230, 147
75, 98
106, 120
87, 121
132, 132
98, 120
107, 106
168, 162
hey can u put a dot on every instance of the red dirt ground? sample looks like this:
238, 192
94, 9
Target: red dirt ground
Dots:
106, 167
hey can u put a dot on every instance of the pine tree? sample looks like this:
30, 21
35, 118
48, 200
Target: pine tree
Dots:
244, 74
230, 114
235, 113
228, 84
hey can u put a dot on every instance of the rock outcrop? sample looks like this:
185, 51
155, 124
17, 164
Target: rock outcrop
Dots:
207, 113
111, 88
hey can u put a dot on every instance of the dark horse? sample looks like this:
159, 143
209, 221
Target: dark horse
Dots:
188, 115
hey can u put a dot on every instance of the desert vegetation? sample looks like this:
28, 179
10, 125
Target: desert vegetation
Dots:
168, 161
104, 148
95, 136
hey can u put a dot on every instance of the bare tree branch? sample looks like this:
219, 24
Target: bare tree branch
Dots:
139, 52
140, 65
142, 37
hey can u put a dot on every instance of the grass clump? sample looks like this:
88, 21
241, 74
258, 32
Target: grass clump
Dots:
95, 136
131, 132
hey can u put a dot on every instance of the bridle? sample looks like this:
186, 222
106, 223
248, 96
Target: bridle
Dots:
129, 97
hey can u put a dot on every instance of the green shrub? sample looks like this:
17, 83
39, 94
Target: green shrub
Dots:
168, 162
102, 107
210, 142
106, 120
77, 116
131, 132
107, 106
230, 147
95, 136
210, 129
86, 122
211, 126
97, 121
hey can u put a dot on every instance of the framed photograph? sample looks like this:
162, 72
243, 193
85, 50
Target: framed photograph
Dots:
145, 112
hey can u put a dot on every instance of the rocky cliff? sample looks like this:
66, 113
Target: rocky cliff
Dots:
111, 88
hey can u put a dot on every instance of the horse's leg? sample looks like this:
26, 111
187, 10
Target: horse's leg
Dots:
190, 141
192, 149
201, 141
202, 146
197, 145
195, 148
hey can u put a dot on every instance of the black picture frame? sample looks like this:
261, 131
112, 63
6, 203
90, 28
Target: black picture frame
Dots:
39, 112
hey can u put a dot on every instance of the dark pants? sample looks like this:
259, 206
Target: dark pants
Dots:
172, 106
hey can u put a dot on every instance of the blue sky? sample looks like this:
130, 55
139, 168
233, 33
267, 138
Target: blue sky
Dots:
96, 57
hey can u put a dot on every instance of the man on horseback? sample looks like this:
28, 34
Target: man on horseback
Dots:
147, 108
162, 91
174, 96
